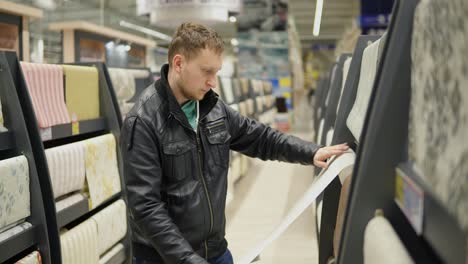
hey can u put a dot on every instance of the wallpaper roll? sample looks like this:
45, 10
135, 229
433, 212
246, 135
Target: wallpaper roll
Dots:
66, 168
45, 86
267, 86
14, 191
329, 137
259, 101
235, 107
438, 122
109, 255
346, 65
271, 101
236, 89
356, 117
243, 108
33, 258
261, 87
320, 131
14, 231
228, 93
80, 244
245, 86
81, 91
111, 224
344, 195
319, 214
2, 127
250, 106
382, 244
69, 201
102, 173
123, 82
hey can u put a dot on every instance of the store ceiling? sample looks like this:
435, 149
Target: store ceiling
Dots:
337, 15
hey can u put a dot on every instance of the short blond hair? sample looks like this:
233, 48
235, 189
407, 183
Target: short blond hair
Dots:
189, 38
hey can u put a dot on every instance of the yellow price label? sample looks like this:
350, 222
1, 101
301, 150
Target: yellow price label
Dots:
285, 82
75, 128
399, 188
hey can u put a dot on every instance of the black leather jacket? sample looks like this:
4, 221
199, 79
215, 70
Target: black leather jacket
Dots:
176, 179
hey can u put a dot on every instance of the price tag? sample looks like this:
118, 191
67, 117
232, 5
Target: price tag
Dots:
410, 198
46, 133
75, 128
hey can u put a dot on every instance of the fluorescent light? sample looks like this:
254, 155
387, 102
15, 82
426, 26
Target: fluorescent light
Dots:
232, 19
318, 17
145, 30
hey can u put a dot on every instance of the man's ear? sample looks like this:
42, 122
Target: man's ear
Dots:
177, 61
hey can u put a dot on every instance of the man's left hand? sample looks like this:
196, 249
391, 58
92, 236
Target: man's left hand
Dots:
325, 153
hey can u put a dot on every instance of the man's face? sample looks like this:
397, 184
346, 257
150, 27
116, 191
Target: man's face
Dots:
198, 75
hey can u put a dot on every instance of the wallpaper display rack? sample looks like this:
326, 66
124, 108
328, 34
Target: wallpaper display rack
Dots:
382, 158
341, 134
13, 143
33, 142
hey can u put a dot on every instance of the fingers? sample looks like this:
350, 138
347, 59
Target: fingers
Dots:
333, 152
320, 164
343, 146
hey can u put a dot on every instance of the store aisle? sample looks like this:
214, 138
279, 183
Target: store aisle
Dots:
262, 198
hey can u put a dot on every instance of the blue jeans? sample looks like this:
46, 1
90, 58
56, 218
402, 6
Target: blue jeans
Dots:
225, 258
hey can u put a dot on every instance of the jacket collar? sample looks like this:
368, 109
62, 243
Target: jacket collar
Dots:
165, 91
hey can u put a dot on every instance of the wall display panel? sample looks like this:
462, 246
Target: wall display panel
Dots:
9, 37
136, 57
92, 50
439, 103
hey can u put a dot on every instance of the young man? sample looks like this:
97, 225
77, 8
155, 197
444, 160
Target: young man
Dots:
175, 144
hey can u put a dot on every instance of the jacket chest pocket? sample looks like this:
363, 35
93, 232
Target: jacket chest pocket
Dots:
178, 160
218, 138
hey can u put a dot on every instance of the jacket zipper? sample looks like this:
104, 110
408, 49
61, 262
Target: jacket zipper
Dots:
206, 192
203, 182
215, 125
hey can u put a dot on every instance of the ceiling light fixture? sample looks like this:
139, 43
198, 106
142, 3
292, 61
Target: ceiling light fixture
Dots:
145, 30
232, 19
318, 17
234, 42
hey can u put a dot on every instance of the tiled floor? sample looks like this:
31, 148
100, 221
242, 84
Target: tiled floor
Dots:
262, 198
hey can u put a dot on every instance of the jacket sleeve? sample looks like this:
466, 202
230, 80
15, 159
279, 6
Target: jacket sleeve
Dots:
255, 139
143, 176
